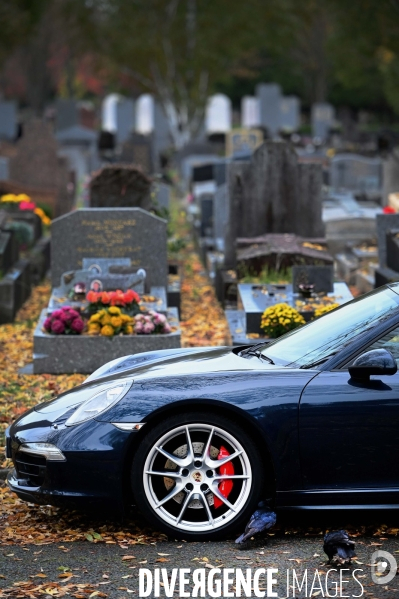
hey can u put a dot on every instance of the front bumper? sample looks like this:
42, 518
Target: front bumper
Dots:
93, 473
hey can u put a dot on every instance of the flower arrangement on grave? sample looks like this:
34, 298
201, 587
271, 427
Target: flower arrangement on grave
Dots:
24, 202
324, 309
65, 321
151, 323
109, 322
128, 300
280, 319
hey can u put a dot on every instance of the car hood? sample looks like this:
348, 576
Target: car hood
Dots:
153, 365
190, 361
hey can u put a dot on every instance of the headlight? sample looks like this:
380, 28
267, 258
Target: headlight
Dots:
101, 401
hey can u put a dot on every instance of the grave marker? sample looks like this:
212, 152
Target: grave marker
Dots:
120, 186
269, 97
110, 233
322, 119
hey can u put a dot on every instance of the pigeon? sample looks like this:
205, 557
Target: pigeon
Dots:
337, 542
262, 519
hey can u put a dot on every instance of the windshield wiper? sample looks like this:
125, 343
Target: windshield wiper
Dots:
254, 350
318, 362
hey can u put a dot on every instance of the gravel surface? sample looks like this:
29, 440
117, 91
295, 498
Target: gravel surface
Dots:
103, 565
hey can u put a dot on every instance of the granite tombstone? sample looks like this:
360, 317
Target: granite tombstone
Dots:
120, 186
110, 233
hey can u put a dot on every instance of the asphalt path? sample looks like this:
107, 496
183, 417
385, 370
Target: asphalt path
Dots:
104, 565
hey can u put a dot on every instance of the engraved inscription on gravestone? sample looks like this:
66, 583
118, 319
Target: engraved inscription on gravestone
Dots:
110, 233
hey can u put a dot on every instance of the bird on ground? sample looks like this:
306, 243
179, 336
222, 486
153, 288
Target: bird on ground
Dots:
337, 543
262, 519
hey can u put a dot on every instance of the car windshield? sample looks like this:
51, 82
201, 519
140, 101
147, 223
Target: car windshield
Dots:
321, 338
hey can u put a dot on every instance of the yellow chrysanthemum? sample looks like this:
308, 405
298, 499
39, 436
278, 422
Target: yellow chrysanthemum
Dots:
324, 309
22, 197
95, 318
126, 318
114, 310
116, 321
129, 329
107, 331
93, 329
106, 319
8, 197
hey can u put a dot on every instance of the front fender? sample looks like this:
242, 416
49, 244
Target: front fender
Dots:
269, 399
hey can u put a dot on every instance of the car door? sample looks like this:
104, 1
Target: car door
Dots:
349, 433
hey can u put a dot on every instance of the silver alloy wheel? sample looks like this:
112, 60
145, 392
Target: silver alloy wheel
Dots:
190, 463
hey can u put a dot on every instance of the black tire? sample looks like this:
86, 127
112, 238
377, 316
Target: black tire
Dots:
189, 418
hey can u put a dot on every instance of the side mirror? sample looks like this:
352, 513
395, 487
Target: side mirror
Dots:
376, 361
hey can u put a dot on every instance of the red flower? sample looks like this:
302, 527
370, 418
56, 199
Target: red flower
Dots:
92, 297
105, 297
27, 206
131, 296
388, 210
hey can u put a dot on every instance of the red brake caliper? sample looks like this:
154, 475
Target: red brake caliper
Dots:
226, 486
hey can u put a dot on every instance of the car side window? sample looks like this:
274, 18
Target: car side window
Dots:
390, 341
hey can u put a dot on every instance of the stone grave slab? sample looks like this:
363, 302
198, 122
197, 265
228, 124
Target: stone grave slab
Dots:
322, 119
15, 288
104, 264
321, 277
56, 354
206, 211
101, 282
236, 322
356, 173
280, 252
385, 222
269, 97
8, 120
162, 195
392, 241
6, 251
120, 186
255, 298
385, 275
110, 233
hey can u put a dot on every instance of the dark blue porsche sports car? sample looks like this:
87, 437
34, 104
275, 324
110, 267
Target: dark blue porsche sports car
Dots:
195, 437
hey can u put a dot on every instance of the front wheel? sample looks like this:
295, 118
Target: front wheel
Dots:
197, 476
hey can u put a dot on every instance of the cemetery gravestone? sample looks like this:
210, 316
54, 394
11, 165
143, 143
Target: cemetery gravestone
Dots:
8, 121
220, 216
206, 207
137, 150
356, 173
218, 114
67, 114
145, 114
272, 193
162, 195
386, 224
241, 143
269, 96
322, 118
37, 165
250, 112
321, 277
110, 233
120, 186
290, 113
124, 119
